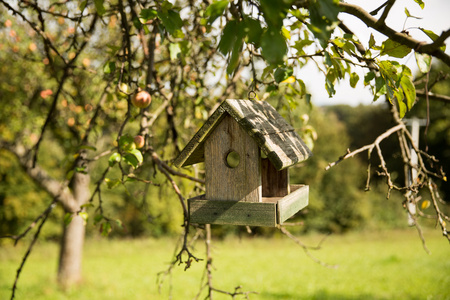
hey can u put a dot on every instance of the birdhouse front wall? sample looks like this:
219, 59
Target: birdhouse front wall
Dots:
225, 181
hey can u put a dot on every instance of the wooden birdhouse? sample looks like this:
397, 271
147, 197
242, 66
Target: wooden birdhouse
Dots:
247, 148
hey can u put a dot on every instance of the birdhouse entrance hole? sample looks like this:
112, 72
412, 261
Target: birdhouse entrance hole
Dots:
232, 159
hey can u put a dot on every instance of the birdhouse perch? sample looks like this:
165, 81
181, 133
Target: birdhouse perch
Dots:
247, 148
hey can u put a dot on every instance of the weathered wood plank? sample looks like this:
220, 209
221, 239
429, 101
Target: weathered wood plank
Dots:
262, 122
274, 183
242, 183
232, 213
193, 152
272, 133
292, 203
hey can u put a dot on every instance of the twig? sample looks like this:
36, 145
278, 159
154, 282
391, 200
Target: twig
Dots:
368, 147
440, 215
306, 248
16, 238
35, 237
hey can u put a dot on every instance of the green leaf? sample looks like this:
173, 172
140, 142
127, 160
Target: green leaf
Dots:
172, 22
328, 61
126, 143
119, 223
130, 178
380, 87
423, 62
354, 78
420, 2
228, 38
105, 228
147, 14
109, 67
282, 74
253, 31
174, 50
323, 16
402, 109
131, 160
330, 79
273, 46
114, 158
407, 12
112, 183
233, 63
166, 5
286, 34
407, 85
99, 7
82, 5
329, 86
97, 219
371, 41
388, 69
87, 147
81, 170
68, 218
432, 36
274, 12
137, 23
87, 205
215, 10
394, 49
409, 15
137, 154
84, 215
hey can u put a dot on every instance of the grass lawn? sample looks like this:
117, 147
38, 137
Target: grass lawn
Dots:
380, 265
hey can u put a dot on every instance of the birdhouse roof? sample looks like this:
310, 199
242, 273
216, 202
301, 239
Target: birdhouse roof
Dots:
276, 138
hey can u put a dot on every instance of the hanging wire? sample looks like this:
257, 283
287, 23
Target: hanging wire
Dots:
252, 93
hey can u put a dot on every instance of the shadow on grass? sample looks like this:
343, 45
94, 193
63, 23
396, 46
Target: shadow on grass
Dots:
321, 295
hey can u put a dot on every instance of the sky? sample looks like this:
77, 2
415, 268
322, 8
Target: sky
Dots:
435, 17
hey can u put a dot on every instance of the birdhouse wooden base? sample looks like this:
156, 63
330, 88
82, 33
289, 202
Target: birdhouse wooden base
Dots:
272, 211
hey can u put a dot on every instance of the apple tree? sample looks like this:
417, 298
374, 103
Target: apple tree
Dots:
77, 77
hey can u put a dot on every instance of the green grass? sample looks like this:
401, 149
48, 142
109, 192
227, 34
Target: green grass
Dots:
383, 265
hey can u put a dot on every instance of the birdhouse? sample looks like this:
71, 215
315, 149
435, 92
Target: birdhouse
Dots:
247, 148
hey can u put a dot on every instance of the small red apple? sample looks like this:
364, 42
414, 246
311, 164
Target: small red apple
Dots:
139, 141
142, 99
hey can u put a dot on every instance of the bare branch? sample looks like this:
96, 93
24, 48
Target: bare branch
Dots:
56, 189
44, 217
306, 248
369, 147
432, 96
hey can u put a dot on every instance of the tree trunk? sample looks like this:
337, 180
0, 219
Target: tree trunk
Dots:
71, 252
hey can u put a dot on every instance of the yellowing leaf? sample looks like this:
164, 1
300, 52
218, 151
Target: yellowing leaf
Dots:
290, 79
286, 33
425, 204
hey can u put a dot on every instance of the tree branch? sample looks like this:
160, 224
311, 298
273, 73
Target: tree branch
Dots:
386, 11
399, 37
367, 147
438, 97
57, 190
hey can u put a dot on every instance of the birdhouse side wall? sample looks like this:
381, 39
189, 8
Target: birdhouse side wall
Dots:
241, 183
274, 183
